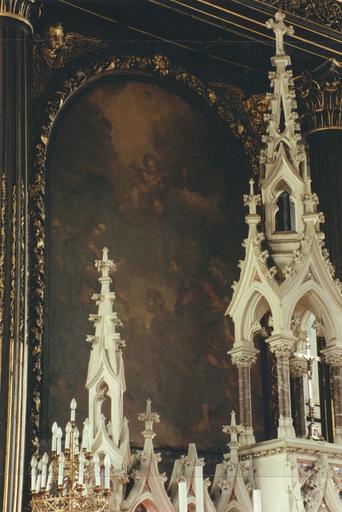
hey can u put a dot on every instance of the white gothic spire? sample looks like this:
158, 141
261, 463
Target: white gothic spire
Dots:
106, 378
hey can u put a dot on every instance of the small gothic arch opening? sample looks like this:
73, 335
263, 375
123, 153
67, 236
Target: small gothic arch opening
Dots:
103, 401
285, 210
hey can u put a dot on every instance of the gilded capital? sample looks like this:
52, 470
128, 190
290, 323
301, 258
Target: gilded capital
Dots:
19, 9
320, 97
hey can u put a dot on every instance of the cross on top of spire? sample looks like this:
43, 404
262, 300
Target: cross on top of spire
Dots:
280, 29
233, 429
105, 265
149, 417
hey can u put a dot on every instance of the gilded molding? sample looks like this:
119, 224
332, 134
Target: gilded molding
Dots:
2, 248
13, 263
227, 100
325, 12
320, 96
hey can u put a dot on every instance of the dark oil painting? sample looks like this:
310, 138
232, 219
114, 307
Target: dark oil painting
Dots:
138, 168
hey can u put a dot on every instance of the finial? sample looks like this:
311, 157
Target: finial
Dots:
149, 417
251, 187
105, 254
233, 429
280, 29
105, 265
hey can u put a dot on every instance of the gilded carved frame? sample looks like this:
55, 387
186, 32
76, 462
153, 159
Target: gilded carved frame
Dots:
227, 100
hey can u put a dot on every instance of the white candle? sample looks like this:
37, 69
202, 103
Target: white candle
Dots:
89, 440
67, 436
182, 496
85, 431
97, 470
81, 469
45, 461
59, 435
107, 465
50, 477
39, 479
54, 437
33, 473
73, 406
257, 500
61, 469
76, 438
199, 488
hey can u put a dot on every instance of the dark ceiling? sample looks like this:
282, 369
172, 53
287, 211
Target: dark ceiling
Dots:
221, 39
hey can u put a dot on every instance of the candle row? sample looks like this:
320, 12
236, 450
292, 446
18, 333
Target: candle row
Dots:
42, 473
71, 438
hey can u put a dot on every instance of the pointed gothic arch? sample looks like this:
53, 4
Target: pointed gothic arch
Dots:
256, 307
234, 507
146, 505
311, 301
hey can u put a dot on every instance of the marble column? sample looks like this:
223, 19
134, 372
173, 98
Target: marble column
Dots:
333, 357
15, 61
298, 369
243, 358
283, 346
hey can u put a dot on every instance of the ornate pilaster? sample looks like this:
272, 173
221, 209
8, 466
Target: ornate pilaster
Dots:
298, 368
333, 357
282, 346
15, 56
243, 358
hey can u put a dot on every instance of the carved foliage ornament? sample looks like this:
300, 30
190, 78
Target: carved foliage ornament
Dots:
226, 99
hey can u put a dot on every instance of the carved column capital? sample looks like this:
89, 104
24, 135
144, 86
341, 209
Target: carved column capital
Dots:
333, 356
243, 356
298, 366
281, 344
19, 9
320, 97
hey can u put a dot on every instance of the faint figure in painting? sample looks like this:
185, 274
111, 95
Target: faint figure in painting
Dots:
163, 321
149, 184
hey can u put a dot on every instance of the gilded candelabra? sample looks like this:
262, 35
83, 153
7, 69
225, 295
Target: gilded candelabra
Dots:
73, 479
